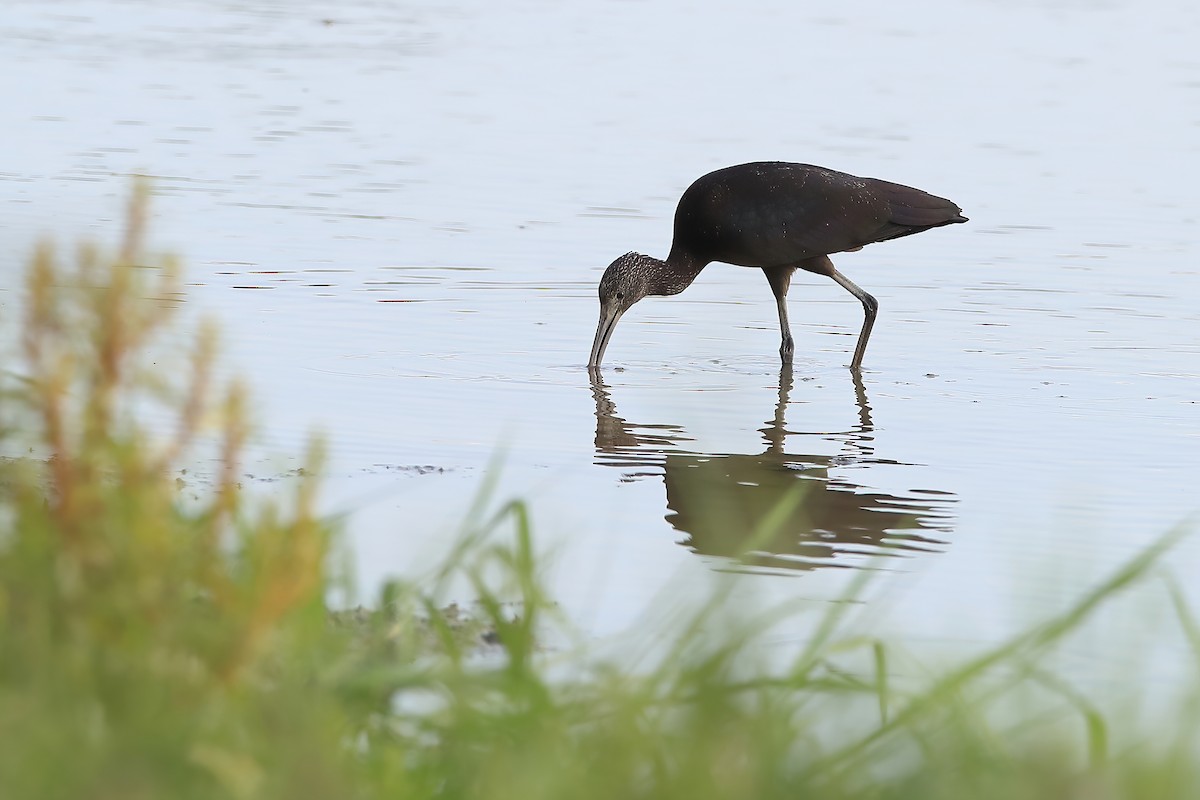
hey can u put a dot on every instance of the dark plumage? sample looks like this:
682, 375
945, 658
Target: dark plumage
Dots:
778, 217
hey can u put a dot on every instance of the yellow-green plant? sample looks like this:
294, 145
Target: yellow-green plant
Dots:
139, 626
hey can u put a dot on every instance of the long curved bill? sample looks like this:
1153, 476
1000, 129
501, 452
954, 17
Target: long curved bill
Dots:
608, 321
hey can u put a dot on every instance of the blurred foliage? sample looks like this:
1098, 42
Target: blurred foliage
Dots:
155, 644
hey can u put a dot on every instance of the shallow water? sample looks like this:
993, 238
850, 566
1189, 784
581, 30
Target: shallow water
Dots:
399, 213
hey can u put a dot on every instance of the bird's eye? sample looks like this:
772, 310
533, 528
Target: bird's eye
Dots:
620, 295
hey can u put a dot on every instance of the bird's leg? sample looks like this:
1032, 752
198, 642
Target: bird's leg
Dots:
780, 279
870, 306
821, 265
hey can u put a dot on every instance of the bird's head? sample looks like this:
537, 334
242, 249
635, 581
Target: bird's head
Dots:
627, 280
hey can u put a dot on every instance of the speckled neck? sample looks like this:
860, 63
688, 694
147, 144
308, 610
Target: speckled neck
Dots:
676, 273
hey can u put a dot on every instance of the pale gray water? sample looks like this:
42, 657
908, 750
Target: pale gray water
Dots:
399, 212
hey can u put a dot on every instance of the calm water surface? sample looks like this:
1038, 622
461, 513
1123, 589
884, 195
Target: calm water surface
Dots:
399, 212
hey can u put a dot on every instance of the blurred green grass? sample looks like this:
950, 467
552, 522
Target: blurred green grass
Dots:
153, 645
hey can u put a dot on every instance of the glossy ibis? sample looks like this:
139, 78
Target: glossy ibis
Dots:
778, 217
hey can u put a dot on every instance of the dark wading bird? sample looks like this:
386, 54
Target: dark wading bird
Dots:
778, 217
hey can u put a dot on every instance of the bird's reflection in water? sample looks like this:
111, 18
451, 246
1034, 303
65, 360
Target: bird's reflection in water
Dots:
775, 511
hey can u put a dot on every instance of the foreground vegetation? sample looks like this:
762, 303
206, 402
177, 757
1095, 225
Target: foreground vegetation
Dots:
158, 644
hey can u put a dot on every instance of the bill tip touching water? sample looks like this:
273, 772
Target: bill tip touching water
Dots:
778, 217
